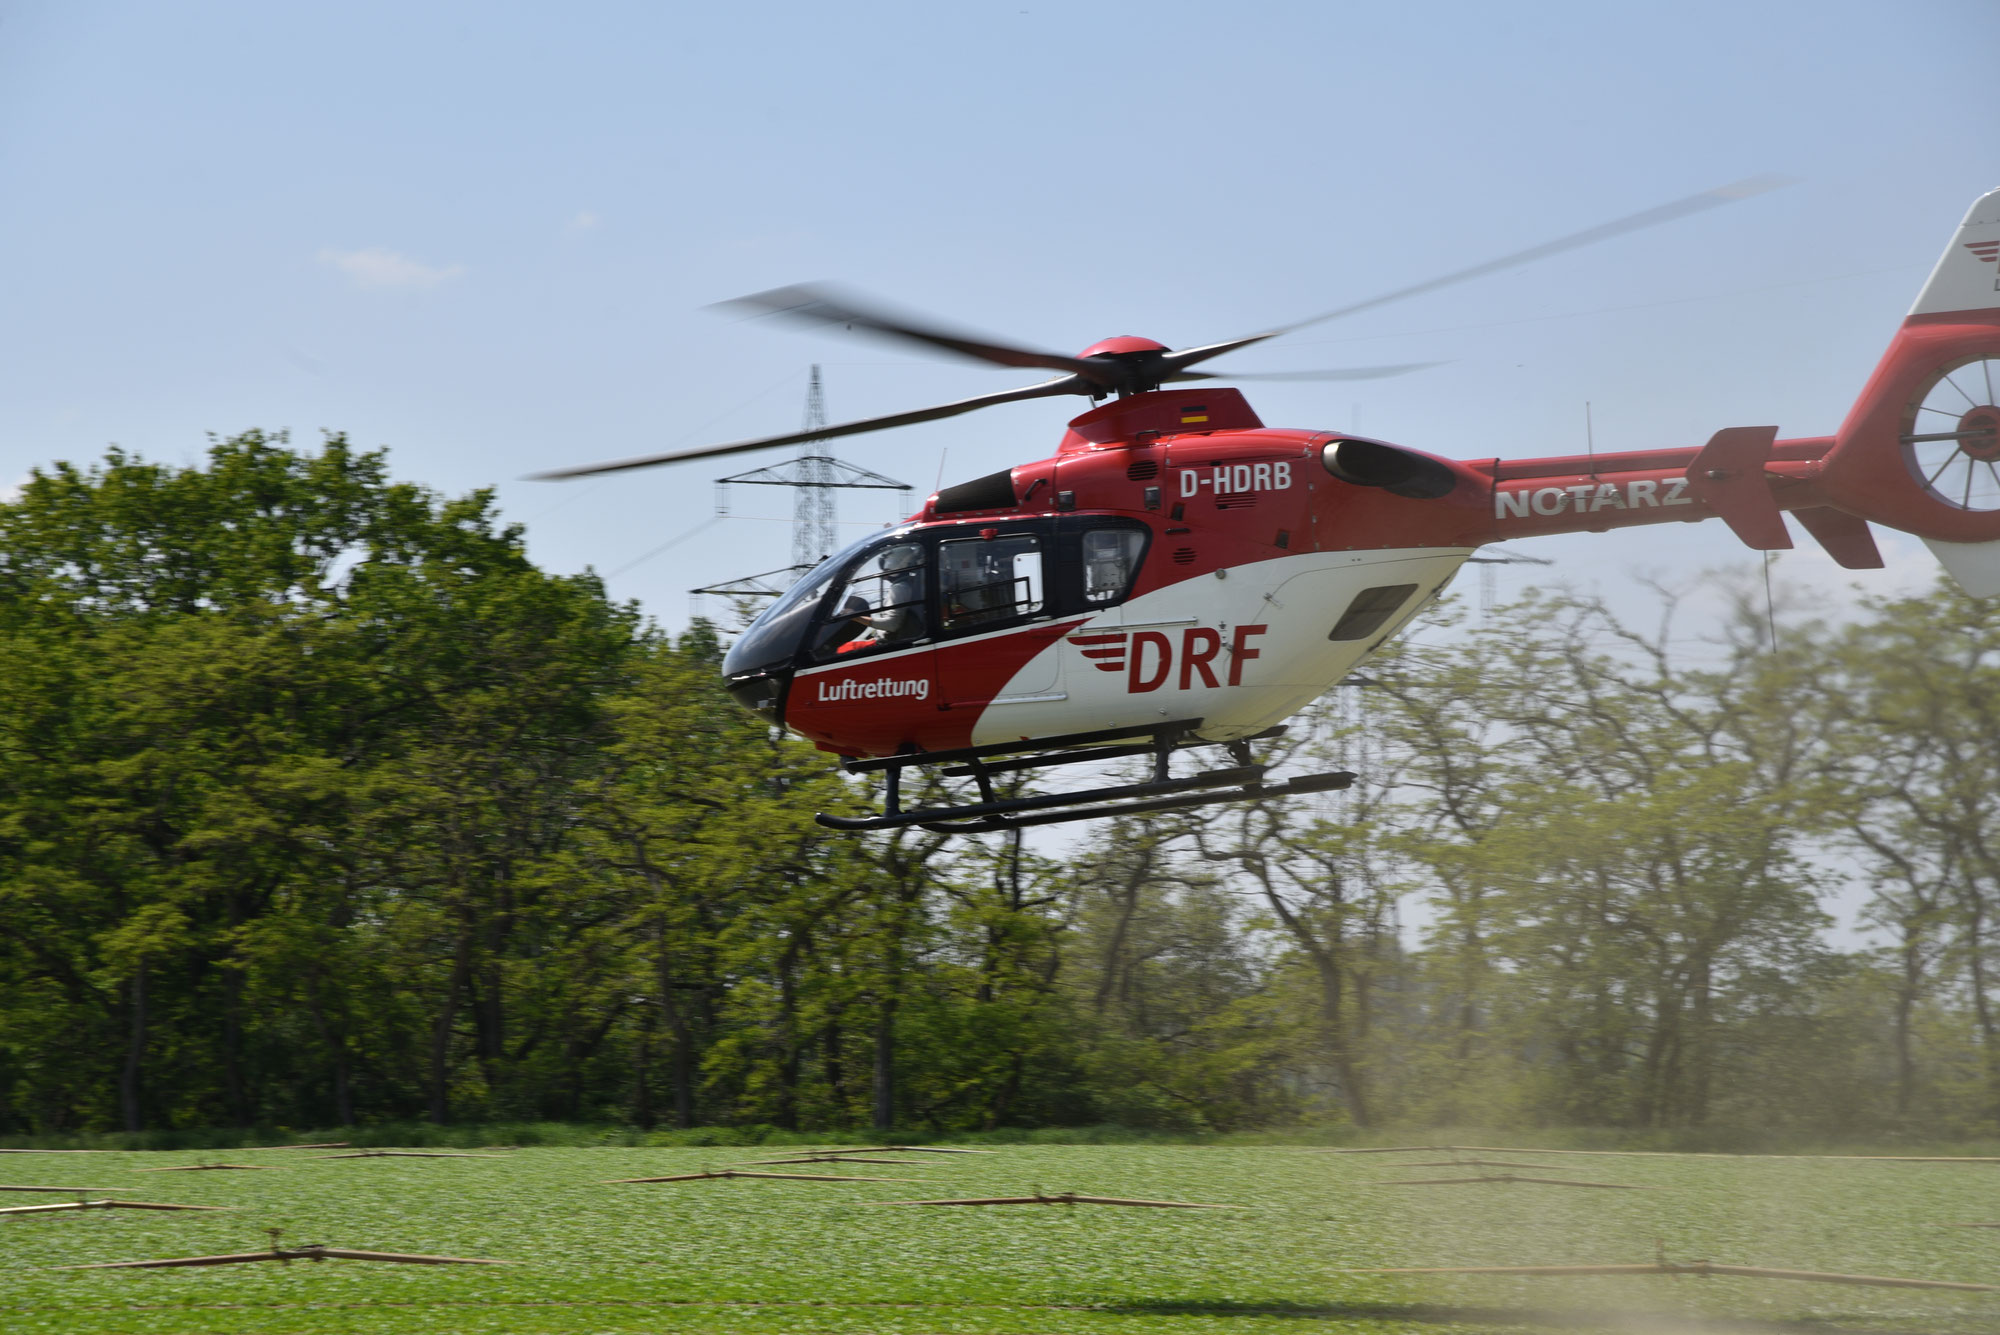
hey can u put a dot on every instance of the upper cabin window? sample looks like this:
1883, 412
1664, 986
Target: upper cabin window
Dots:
1110, 561
984, 580
881, 605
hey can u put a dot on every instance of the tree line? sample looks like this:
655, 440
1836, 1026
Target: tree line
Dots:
321, 804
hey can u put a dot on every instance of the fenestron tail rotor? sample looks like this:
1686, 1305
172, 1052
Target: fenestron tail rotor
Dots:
1123, 366
1954, 436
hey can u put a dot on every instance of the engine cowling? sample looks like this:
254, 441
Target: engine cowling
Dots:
1400, 472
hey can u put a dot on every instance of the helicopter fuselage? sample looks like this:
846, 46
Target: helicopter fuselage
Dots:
1178, 575
1175, 560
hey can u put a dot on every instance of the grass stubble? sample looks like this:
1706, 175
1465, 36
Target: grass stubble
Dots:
776, 1256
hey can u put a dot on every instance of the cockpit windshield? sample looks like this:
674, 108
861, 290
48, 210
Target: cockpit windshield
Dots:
880, 606
772, 640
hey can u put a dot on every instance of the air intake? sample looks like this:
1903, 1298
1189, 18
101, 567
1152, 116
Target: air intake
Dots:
1368, 463
995, 491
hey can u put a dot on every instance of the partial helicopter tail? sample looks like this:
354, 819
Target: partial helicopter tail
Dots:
1920, 451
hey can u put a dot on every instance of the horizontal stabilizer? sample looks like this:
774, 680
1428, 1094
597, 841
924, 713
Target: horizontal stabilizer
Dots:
1728, 476
1975, 565
1846, 539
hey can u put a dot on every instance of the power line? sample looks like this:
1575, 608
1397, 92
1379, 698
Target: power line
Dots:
669, 544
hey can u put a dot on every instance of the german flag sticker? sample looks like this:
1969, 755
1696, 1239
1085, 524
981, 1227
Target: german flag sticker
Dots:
1194, 413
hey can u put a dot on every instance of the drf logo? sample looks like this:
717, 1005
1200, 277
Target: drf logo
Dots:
1987, 252
1229, 479
1147, 657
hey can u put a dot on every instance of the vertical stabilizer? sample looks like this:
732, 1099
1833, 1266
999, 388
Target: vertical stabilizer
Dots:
1967, 277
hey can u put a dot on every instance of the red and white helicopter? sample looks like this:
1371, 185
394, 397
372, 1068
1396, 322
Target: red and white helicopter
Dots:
1180, 574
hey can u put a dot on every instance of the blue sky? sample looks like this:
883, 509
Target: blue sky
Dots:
481, 234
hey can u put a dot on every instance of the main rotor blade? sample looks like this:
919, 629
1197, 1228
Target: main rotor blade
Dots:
1336, 373
1189, 356
1067, 384
819, 303
1653, 217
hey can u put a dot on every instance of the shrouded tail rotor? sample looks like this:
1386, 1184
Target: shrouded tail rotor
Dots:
1920, 451
1954, 443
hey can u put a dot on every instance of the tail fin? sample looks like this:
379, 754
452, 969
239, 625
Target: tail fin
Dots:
1920, 451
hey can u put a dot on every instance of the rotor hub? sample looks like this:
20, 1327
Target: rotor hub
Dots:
1132, 364
1123, 345
1980, 434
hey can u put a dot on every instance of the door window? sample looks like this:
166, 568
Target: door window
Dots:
982, 580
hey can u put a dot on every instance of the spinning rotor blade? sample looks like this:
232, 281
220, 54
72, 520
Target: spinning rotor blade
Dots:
1346, 373
1067, 384
1121, 372
1680, 208
819, 303
1189, 356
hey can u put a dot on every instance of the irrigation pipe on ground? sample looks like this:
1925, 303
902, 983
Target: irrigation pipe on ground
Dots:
1698, 1269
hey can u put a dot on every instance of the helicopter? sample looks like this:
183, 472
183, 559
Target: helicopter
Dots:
1178, 575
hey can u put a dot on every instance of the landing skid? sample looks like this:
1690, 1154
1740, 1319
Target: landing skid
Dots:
1241, 782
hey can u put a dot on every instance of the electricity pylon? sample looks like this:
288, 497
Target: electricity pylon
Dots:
816, 477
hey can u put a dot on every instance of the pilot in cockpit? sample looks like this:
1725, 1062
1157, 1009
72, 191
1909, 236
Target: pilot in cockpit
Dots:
897, 616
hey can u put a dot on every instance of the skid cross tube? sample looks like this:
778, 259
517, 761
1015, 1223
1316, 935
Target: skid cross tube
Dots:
1305, 783
1101, 753
971, 811
896, 762
1160, 791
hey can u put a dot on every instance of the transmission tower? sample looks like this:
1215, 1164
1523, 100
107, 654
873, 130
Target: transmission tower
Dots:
815, 477
1489, 587
813, 509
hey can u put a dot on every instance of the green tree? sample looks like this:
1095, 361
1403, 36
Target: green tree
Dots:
1630, 882
1907, 704
215, 724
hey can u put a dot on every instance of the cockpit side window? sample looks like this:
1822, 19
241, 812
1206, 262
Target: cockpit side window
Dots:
880, 606
1110, 563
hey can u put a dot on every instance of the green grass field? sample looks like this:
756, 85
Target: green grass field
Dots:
759, 1256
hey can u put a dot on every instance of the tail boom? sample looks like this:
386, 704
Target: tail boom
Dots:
1744, 476
1919, 451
